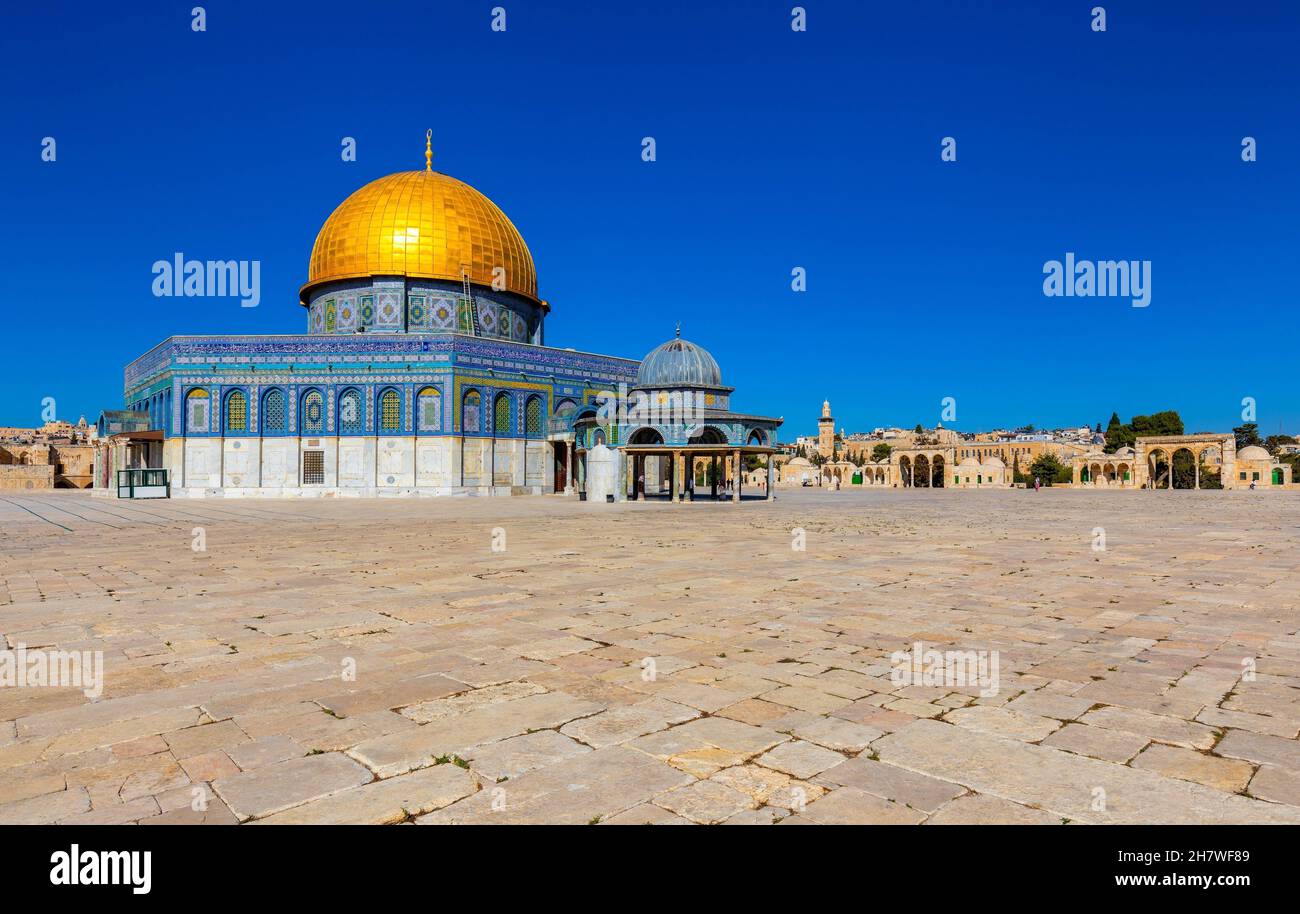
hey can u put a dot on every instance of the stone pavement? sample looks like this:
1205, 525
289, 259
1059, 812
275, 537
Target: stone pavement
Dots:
376, 661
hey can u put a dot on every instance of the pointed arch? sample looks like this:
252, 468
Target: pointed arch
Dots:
236, 412
390, 410
352, 419
274, 413
311, 414
428, 410
501, 414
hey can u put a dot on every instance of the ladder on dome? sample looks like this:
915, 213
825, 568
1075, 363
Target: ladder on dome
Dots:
467, 294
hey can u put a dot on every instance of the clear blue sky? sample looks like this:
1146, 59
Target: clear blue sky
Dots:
775, 150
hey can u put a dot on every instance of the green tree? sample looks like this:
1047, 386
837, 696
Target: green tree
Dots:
1118, 435
1048, 467
918, 430
881, 452
1156, 424
1248, 435
1273, 443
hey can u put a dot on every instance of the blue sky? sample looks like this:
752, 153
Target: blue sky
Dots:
776, 149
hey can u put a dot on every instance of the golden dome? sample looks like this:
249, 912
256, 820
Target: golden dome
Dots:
420, 224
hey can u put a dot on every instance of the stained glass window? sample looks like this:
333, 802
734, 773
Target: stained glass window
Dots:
470, 418
350, 420
313, 413
197, 405
273, 413
390, 411
429, 410
501, 414
533, 417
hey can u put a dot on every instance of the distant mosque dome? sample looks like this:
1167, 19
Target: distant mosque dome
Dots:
679, 363
1253, 452
994, 462
970, 462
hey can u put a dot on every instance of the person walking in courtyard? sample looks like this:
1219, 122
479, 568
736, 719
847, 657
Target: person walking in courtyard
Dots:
1038, 483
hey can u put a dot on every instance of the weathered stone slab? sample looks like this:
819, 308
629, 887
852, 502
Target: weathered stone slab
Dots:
980, 809
384, 802
850, 806
618, 725
800, 759
1230, 775
270, 789
1152, 726
50, 807
704, 802
837, 734
1279, 785
1097, 742
512, 757
1002, 722
893, 783
590, 788
1064, 784
401, 752
1260, 748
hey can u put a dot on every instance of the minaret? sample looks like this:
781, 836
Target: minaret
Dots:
826, 432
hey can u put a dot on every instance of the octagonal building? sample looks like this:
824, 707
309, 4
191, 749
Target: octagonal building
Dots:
423, 371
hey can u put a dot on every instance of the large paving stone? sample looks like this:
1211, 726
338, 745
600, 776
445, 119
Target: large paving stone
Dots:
1260, 748
384, 802
893, 783
980, 809
1153, 726
405, 751
1064, 784
270, 789
592, 787
850, 806
1230, 775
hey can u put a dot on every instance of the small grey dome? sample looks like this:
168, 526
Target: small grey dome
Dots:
679, 363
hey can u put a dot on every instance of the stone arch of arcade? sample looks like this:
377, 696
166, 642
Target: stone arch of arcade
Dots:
1166, 462
923, 468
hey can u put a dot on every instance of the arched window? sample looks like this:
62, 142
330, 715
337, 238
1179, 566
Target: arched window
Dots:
533, 417
273, 413
470, 417
390, 411
428, 410
313, 413
351, 421
198, 411
236, 412
501, 414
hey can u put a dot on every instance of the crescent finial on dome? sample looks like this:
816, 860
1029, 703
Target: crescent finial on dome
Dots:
428, 150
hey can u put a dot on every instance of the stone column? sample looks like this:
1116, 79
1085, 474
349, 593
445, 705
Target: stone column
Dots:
1196, 459
568, 468
735, 488
771, 477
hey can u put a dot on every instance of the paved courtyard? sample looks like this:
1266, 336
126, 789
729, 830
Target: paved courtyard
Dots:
377, 661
